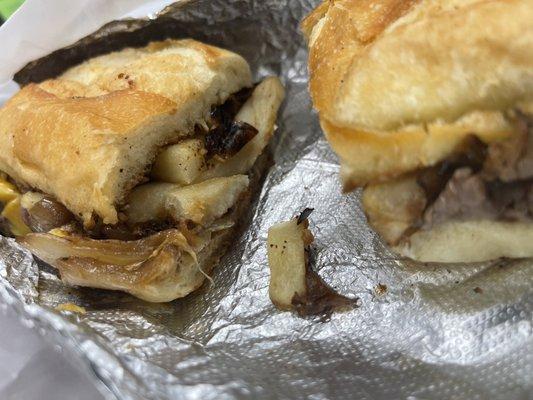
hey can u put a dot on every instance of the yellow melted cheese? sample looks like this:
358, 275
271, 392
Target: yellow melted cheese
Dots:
58, 232
10, 197
71, 308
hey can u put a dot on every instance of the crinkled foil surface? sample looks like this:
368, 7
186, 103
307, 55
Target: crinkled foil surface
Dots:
436, 331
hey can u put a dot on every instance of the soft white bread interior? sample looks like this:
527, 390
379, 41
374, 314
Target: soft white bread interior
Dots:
200, 203
91, 135
470, 241
396, 82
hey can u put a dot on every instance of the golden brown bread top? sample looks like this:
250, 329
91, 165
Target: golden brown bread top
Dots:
339, 31
88, 137
382, 64
71, 148
382, 68
178, 69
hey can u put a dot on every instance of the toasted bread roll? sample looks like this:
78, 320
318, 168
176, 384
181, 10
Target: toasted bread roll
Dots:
401, 80
91, 135
132, 170
400, 86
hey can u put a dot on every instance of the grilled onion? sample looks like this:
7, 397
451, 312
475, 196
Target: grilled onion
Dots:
42, 213
158, 268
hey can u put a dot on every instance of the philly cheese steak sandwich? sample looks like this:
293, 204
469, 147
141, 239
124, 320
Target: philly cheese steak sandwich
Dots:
129, 171
429, 105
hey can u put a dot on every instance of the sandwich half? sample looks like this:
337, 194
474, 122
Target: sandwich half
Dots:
131, 170
429, 106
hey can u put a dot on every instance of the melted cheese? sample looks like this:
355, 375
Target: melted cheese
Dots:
10, 197
58, 232
12, 212
71, 308
8, 191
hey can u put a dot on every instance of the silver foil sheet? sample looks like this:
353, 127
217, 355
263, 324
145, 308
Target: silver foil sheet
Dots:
427, 331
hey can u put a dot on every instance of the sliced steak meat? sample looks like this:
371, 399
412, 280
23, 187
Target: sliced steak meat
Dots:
471, 153
512, 159
464, 197
480, 182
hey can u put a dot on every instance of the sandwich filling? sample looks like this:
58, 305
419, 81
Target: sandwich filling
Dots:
478, 182
220, 138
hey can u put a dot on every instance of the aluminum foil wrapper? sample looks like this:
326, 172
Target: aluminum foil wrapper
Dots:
421, 331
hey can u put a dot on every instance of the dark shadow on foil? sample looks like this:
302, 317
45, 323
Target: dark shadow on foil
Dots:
171, 23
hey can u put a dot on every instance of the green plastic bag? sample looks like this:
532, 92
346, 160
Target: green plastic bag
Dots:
8, 7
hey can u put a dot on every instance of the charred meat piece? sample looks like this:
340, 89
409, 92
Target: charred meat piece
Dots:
464, 197
471, 154
225, 113
227, 136
226, 140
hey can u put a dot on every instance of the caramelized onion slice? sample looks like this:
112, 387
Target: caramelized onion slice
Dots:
163, 276
51, 248
158, 268
43, 213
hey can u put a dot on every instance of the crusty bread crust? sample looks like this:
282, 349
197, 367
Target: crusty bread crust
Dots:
310, 22
89, 136
384, 71
442, 60
340, 37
